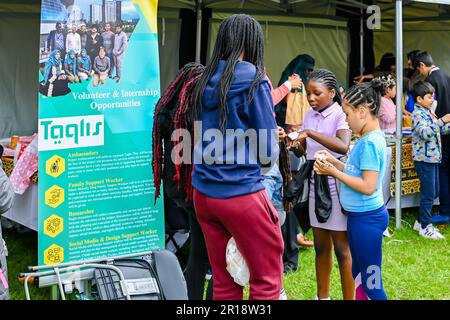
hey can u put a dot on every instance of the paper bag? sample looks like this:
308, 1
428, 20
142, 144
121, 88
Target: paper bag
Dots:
297, 106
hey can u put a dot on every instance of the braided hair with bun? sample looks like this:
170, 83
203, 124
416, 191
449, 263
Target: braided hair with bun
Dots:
367, 94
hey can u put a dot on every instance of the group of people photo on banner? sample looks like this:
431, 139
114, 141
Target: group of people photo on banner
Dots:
324, 167
81, 55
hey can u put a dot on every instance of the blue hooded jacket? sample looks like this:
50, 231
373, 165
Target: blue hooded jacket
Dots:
230, 165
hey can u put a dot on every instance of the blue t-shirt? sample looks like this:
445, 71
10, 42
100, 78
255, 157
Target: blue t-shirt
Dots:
368, 154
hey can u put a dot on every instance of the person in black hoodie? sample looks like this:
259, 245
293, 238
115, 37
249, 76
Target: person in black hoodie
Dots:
423, 62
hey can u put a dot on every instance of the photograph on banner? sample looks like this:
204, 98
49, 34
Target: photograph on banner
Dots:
83, 40
99, 83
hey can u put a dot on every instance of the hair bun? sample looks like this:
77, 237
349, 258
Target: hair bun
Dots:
379, 86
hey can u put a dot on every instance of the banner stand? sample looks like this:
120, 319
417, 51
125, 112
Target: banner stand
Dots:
99, 83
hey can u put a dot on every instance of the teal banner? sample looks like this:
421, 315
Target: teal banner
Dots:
99, 84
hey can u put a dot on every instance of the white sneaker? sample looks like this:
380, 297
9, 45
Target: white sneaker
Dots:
417, 226
283, 295
438, 233
429, 232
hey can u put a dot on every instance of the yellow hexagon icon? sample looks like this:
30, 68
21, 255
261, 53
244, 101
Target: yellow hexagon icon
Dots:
54, 196
53, 225
55, 166
53, 254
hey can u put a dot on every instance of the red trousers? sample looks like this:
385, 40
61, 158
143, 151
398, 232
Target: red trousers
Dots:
253, 222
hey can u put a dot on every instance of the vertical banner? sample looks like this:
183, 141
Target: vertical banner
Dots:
99, 84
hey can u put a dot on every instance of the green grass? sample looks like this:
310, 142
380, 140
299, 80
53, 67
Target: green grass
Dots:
22, 249
413, 267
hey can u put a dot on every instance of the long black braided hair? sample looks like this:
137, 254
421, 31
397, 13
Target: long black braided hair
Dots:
237, 34
367, 94
173, 112
329, 80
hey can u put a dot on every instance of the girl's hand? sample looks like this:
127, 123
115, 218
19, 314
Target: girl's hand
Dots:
323, 167
326, 156
294, 142
300, 134
303, 134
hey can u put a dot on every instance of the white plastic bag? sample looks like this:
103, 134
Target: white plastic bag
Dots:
236, 265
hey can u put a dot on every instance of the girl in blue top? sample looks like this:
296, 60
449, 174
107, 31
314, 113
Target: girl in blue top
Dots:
361, 192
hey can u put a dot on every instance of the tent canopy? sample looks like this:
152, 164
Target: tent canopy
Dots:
325, 8
424, 22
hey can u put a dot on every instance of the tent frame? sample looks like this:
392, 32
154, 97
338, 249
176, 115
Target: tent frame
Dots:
284, 6
399, 125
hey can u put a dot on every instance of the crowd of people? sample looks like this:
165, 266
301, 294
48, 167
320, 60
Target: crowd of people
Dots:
80, 55
337, 188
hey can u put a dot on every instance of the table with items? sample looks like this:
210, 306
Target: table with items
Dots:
20, 163
410, 184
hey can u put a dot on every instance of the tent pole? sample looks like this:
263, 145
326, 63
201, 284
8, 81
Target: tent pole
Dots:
398, 132
198, 43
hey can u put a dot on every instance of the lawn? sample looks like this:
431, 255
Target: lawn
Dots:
413, 267
22, 250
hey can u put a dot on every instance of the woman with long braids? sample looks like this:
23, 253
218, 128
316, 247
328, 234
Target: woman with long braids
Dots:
230, 201
361, 192
324, 127
174, 112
